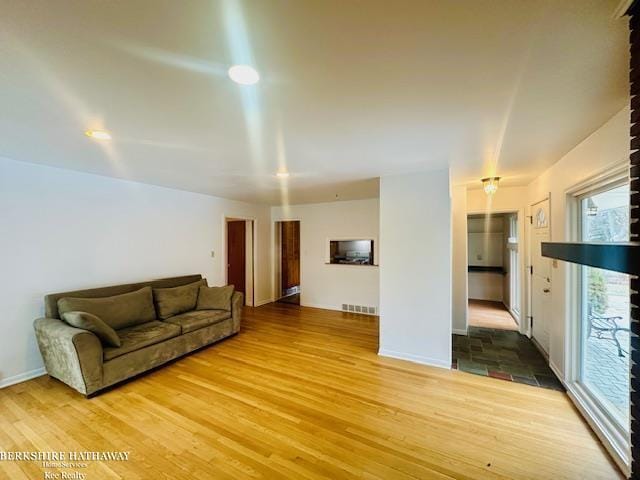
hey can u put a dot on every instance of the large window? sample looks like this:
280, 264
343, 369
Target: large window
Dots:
604, 305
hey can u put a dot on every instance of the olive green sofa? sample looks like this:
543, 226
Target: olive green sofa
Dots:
78, 358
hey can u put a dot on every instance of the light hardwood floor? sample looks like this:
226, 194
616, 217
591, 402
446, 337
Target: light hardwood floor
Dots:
483, 313
301, 393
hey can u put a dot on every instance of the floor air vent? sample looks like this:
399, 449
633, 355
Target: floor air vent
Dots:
347, 307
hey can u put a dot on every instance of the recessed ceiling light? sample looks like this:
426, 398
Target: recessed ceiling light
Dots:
98, 134
244, 74
282, 174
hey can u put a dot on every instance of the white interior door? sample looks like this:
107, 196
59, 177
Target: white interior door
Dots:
541, 275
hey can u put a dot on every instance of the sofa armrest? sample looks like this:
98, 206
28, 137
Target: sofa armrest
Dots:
237, 303
70, 354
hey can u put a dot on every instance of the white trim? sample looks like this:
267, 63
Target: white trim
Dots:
22, 377
610, 174
622, 9
521, 216
612, 439
432, 362
259, 303
254, 255
614, 442
612, 435
460, 331
554, 368
276, 274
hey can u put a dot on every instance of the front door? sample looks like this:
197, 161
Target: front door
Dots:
541, 275
236, 254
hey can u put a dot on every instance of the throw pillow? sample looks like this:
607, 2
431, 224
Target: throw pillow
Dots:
94, 324
177, 300
215, 298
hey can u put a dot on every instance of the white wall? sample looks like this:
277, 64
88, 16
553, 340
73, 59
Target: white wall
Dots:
415, 267
329, 286
597, 154
486, 286
459, 261
63, 230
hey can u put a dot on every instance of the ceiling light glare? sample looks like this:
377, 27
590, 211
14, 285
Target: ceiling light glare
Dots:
244, 75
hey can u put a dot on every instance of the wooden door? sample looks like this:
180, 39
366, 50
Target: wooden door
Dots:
236, 255
290, 241
541, 275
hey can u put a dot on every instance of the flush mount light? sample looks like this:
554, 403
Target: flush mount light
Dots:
98, 134
244, 74
490, 185
283, 174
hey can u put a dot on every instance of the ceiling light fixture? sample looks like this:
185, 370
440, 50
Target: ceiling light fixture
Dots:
244, 75
98, 134
490, 185
283, 174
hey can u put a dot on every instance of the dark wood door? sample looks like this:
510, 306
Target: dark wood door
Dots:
290, 254
236, 255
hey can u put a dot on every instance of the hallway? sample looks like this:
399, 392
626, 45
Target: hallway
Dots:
487, 314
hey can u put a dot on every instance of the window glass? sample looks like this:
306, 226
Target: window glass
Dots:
605, 305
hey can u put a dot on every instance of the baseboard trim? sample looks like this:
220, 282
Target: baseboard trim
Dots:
460, 331
432, 362
614, 442
540, 349
22, 377
558, 374
259, 303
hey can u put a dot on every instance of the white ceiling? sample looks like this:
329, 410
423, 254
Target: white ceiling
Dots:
351, 90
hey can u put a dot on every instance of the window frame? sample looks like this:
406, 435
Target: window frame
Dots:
615, 437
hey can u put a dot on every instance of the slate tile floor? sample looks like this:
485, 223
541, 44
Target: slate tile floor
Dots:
503, 354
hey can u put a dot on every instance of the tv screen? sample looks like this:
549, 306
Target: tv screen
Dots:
351, 252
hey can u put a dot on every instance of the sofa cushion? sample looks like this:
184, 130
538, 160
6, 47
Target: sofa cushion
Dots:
140, 336
176, 300
86, 321
215, 298
118, 311
191, 321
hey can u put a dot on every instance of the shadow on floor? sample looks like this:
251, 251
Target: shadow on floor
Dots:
291, 299
502, 354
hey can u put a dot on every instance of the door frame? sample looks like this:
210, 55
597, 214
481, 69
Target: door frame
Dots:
276, 281
250, 254
545, 198
529, 263
523, 249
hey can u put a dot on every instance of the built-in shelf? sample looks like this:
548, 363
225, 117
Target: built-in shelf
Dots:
353, 264
480, 268
618, 257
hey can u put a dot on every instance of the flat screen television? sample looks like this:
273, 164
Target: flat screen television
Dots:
351, 252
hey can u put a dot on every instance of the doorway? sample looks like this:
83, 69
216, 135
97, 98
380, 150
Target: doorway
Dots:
540, 273
493, 266
240, 253
288, 261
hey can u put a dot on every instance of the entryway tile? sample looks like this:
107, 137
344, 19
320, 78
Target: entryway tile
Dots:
502, 354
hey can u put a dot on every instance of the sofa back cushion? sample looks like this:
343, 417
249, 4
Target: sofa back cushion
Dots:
117, 311
51, 300
87, 321
176, 300
215, 298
